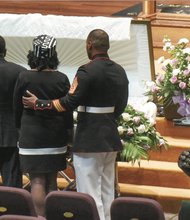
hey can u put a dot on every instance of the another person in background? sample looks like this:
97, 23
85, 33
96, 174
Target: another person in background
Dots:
43, 135
100, 91
9, 159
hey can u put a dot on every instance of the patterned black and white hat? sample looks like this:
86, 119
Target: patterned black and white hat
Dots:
44, 46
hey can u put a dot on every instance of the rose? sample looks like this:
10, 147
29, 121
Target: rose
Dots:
173, 79
175, 72
186, 72
160, 78
186, 50
130, 132
174, 62
182, 85
136, 120
121, 130
188, 58
183, 41
151, 88
141, 128
126, 117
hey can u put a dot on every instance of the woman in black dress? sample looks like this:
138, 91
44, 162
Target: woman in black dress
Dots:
43, 135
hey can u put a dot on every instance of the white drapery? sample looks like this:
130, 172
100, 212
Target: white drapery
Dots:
129, 42
70, 27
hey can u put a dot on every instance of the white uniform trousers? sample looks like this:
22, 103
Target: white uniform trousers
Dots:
95, 175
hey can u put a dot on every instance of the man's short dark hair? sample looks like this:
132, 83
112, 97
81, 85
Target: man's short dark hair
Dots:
99, 39
2, 45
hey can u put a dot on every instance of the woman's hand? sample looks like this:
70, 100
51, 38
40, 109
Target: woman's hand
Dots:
30, 100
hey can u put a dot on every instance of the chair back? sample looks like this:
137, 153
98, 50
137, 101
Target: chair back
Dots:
16, 201
64, 205
18, 217
135, 208
184, 211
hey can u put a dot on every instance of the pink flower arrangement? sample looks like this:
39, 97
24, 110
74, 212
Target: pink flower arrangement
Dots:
174, 81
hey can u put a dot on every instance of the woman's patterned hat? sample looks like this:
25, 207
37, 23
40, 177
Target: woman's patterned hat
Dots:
44, 46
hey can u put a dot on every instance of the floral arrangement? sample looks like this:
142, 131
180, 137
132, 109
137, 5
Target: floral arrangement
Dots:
173, 83
138, 135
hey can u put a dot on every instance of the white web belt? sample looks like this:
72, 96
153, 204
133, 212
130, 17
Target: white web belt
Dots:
100, 110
